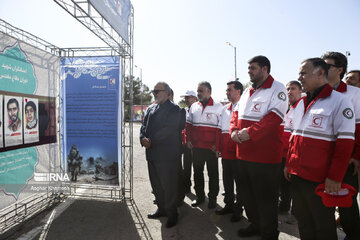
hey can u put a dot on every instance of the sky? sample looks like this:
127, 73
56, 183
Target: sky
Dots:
183, 42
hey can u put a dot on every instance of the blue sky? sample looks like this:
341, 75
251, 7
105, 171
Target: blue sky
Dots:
183, 42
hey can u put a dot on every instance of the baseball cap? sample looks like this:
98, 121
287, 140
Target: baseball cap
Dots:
342, 198
189, 93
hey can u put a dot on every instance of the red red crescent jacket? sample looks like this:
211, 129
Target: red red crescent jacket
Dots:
287, 128
322, 138
202, 124
261, 112
353, 93
227, 146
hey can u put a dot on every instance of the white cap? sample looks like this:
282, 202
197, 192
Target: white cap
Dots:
189, 93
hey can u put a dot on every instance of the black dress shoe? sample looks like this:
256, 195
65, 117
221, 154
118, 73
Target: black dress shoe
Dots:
172, 221
235, 217
156, 214
249, 231
197, 202
212, 204
224, 211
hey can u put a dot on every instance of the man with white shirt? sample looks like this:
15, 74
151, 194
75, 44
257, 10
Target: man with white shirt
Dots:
349, 217
256, 127
202, 133
320, 147
227, 148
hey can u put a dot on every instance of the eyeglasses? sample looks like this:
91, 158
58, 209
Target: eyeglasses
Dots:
156, 91
331, 65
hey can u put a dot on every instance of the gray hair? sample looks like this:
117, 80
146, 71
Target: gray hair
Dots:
206, 84
166, 87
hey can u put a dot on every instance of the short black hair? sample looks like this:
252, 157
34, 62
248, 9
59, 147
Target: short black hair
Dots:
339, 59
30, 104
262, 61
237, 86
355, 71
206, 84
318, 63
13, 100
295, 83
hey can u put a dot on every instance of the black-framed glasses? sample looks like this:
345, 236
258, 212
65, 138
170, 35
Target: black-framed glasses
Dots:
156, 91
331, 65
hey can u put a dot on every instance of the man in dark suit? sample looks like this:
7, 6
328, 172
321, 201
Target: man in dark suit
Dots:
159, 134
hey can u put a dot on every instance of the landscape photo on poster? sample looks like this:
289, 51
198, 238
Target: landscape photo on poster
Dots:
90, 109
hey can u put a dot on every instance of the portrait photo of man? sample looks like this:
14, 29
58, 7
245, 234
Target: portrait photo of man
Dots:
13, 112
30, 115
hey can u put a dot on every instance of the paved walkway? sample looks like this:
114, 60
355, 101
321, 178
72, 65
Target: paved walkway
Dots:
94, 219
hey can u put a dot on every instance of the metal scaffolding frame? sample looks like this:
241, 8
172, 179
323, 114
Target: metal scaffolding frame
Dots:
84, 12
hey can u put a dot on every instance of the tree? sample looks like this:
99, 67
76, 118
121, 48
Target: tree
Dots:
145, 99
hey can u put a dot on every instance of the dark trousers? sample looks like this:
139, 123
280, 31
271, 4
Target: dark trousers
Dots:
200, 157
164, 176
315, 221
259, 188
186, 168
285, 198
231, 175
349, 217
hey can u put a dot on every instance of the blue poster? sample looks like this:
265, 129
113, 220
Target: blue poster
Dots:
90, 105
116, 13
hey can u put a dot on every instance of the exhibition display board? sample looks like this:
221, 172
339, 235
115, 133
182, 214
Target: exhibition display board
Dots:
28, 132
91, 119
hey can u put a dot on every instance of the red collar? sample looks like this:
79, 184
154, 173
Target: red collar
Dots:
210, 103
295, 104
267, 84
325, 92
342, 87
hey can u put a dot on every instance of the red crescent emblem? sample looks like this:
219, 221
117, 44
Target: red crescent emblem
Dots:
256, 107
316, 121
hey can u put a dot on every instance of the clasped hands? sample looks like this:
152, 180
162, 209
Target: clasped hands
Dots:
146, 142
240, 136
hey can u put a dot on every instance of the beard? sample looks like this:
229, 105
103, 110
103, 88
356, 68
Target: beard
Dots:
14, 118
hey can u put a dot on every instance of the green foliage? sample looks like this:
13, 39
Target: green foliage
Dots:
182, 104
145, 99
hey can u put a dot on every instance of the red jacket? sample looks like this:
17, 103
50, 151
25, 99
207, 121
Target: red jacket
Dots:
227, 146
261, 112
322, 137
202, 125
353, 94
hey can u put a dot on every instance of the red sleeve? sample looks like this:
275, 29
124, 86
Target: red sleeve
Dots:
264, 126
188, 128
218, 139
356, 152
234, 122
340, 160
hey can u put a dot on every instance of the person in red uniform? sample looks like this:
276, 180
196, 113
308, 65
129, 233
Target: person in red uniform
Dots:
320, 147
294, 91
349, 217
228, 154
256, 128
202, 133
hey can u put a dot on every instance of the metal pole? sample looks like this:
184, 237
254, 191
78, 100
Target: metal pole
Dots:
235, 62
228, 43
141, 93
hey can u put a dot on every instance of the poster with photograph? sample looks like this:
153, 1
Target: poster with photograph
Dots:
1, 122
13, 120
31, 120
